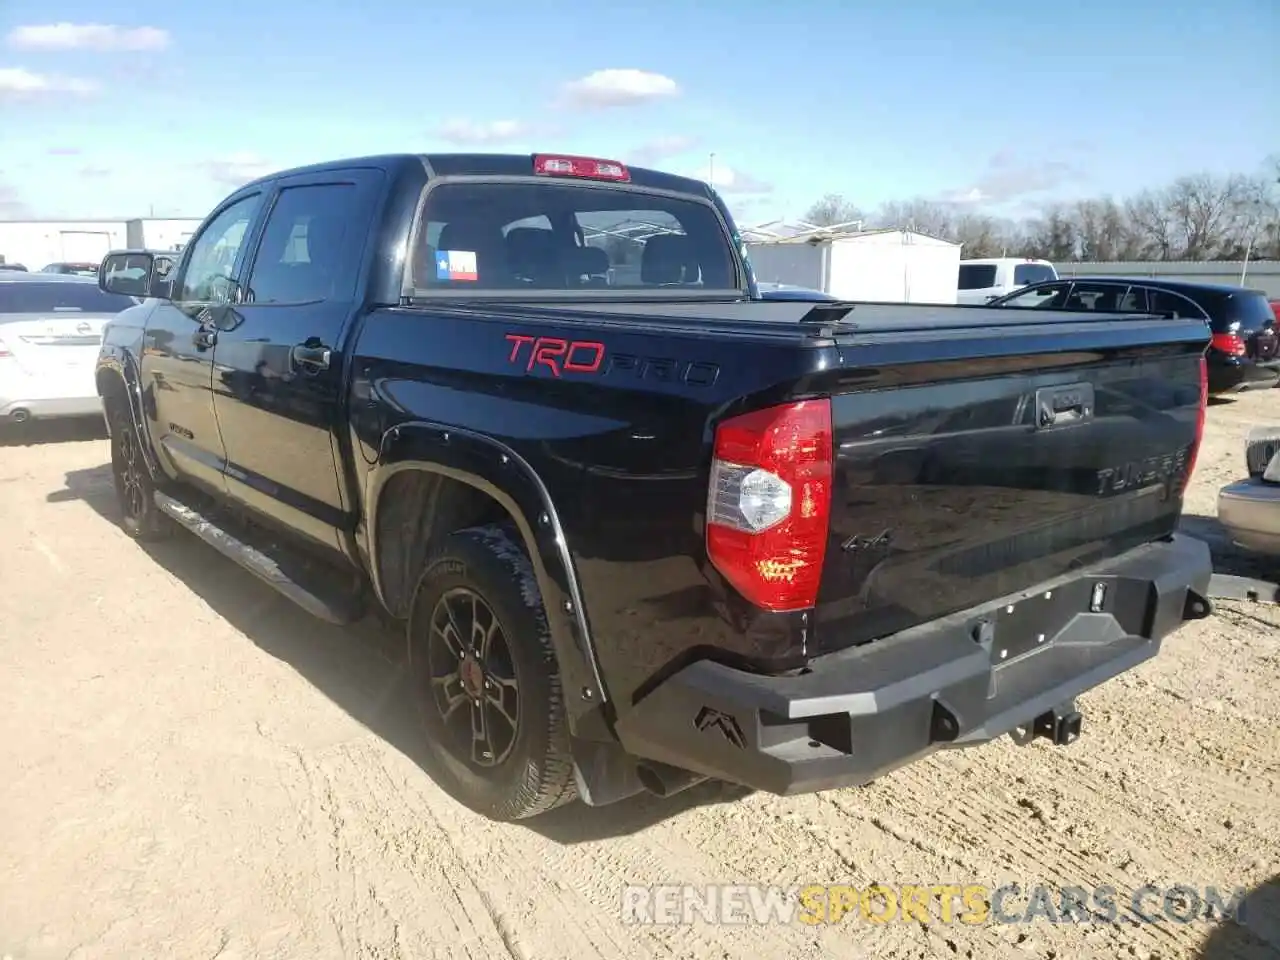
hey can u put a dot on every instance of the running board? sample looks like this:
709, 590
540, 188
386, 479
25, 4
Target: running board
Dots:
336, 609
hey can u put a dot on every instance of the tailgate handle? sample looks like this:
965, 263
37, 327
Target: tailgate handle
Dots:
1058, 406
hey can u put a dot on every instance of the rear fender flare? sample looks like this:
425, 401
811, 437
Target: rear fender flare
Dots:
120, 365
498, 471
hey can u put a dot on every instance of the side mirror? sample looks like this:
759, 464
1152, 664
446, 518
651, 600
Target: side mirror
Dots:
136, 273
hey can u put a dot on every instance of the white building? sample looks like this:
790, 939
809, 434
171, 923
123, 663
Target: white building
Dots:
162, 234
887, 266
36, 243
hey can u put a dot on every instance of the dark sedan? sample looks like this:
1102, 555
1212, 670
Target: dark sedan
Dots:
1245, 350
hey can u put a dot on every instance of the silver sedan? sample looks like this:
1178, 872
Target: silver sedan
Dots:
1249, 509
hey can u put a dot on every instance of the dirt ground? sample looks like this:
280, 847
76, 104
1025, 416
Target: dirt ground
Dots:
193, 768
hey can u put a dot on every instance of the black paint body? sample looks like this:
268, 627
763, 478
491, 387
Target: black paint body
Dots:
947, 491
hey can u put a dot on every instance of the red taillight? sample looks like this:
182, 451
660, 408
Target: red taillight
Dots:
1200, 415
1232, 344
769, 503
4, 351
587, 168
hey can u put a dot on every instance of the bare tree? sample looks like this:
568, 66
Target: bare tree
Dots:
1053, 237
1154, 229
832, 209
1103, 231
1197, 217
920, 216
1204, 210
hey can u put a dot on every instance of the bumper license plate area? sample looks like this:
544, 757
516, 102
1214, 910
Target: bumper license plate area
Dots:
1031, 624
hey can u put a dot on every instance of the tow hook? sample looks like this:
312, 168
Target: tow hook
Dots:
1060, 725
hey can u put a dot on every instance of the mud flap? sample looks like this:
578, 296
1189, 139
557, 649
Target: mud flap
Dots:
604, 772
1223, 586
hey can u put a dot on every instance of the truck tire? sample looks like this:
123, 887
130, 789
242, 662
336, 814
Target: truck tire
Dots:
486, 677
135, 490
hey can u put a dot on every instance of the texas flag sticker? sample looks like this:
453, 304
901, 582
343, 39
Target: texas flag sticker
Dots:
456, 265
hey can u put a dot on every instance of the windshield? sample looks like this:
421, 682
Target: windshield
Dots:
541, 237
1025, 273
1049, 297
54, 297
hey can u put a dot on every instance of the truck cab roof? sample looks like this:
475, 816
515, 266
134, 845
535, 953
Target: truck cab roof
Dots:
484, 165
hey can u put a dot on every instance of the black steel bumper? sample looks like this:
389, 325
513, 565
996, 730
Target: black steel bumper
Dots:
965, 679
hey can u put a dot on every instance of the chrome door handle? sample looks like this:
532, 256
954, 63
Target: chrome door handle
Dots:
308, 355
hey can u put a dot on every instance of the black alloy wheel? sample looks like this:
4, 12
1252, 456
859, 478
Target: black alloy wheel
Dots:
487, 678
473, 681
130, 473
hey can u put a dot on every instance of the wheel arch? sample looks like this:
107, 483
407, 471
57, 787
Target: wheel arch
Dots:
117, 381
477, 479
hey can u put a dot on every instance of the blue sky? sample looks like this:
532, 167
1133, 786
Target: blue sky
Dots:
1007, 106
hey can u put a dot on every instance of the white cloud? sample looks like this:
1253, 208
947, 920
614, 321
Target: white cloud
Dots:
1008, 178
237, 169
87, 36
656, 150
495, 131
17, 83
619, 88
728, 180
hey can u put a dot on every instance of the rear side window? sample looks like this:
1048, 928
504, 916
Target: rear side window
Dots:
1025, 273
547, 237
299, 255
25, 297
1165, 301
1099, 297
977, 276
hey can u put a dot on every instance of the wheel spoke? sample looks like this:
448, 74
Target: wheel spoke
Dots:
502, 694
452, 639
479, 635
486, 633
449, 694
458, 632
481, 746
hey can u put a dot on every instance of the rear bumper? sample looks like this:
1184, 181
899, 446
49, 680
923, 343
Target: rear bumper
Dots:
859, 713
1250, 513
1243, 375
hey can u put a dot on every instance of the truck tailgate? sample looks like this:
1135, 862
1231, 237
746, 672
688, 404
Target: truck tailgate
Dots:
958, 482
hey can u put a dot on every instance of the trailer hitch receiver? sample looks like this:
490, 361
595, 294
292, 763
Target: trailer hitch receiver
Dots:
1060, 725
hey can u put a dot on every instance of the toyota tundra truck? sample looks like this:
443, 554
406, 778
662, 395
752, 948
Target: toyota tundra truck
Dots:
641, 525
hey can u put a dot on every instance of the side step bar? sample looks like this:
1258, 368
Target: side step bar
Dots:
335, 609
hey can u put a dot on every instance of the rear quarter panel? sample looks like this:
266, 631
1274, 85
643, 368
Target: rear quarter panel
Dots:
623, 450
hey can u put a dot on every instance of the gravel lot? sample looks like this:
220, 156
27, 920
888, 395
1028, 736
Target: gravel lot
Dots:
196, 769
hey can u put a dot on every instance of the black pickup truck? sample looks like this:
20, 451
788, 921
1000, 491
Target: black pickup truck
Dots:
641, 525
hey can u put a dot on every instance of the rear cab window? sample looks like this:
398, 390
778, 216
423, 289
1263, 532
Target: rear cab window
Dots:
550, 238
977, 276
1025, 273
60, 297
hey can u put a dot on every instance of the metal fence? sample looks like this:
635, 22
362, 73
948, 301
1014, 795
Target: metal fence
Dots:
1261, 275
